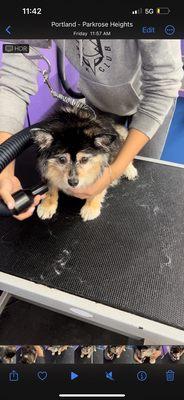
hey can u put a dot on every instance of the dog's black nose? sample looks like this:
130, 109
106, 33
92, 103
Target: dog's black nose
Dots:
73, 181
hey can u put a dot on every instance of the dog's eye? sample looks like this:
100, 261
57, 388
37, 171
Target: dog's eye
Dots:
84, 160
62, 160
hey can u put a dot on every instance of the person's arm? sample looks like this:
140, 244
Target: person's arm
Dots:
4, 136
40, 355
9, 184
162, 74
134, 143
18, 80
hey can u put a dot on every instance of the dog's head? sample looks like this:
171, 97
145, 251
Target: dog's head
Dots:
85, 350
7, 353
116, 350
73, 148
28, 355
176, 352
146, 351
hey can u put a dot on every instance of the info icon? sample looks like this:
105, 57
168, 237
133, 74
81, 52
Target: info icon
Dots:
142, 376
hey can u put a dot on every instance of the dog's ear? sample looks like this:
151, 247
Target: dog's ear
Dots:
103, 141
84, 112
41, 137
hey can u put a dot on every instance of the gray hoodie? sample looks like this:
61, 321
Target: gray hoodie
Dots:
124, 77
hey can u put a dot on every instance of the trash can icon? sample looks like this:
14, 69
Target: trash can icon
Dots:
13, 376
170, 376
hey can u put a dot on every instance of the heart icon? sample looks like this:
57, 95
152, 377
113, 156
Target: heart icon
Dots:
42, 375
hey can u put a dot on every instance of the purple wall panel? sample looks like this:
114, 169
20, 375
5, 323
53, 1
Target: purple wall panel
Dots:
43, 101
182, 46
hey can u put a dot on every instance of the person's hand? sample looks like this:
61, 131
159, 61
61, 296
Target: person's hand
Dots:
90, 191
10, 184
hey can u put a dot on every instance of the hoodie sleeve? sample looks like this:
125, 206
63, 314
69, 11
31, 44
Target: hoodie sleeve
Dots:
162, 74
18, 80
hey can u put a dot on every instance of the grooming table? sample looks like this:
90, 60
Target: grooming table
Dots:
123, 271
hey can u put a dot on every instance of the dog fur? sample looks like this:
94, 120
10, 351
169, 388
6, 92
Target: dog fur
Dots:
150, 353
28, 355
112, 352
74, 150
87, 351
7, 354
176, 352
57, 349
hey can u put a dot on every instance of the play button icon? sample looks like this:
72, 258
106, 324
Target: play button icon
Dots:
73, 376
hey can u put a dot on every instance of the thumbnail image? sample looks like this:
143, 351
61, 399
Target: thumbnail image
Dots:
30, 354
144, 354
60, 354
8, 354
114, 352
91, 354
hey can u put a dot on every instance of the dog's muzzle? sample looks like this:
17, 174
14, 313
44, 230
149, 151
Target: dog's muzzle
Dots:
73, 181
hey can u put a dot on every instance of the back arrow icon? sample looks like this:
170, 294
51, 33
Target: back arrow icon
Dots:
8, 29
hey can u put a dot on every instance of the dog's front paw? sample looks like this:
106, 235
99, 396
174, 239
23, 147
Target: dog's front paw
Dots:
131, 172
89, 212
45, 211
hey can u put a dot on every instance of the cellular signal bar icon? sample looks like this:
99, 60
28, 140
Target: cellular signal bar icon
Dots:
139, 11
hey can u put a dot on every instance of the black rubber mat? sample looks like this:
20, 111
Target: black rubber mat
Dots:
130, 258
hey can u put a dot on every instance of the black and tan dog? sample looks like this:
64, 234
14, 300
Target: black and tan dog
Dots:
147, 353
74, 150
87, 351
29, 354
7, 353
112, 352
176, 352
57, 350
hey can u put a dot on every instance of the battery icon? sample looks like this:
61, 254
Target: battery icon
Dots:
163, 10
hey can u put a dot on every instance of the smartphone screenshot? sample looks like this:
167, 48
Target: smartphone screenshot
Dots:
91, 200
